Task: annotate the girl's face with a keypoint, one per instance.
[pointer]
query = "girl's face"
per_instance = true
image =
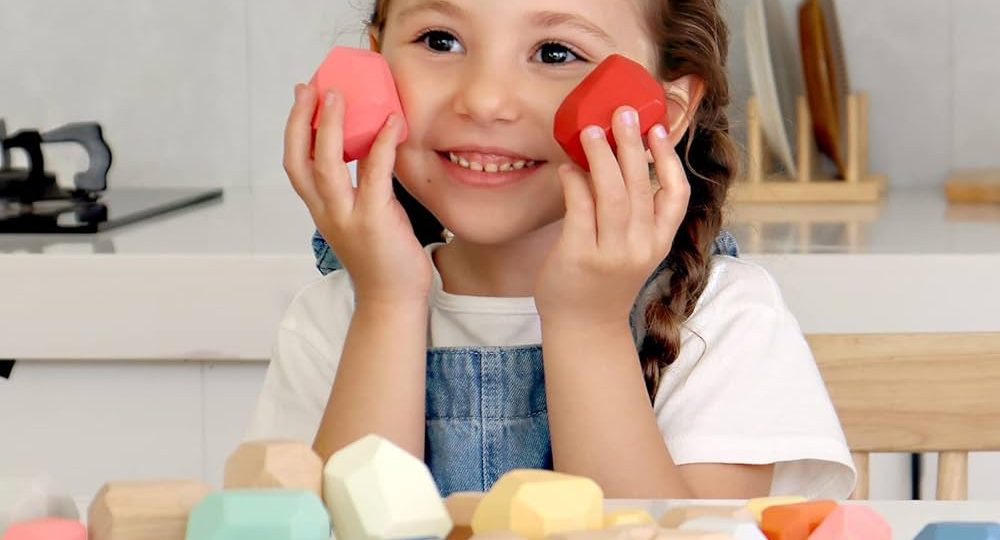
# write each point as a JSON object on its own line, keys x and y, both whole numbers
{"x": 480, "y": 81}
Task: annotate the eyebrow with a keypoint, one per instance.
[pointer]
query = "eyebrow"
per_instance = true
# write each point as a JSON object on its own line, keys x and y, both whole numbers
{"x": 544, "y": 19}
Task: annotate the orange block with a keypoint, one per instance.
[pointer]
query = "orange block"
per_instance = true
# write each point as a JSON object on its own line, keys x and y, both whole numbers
{"x": 795, "y": 521}
{"x": 853, "y": 522}
{"x": 461, "y": 507}
{"x": 47, "y": 529}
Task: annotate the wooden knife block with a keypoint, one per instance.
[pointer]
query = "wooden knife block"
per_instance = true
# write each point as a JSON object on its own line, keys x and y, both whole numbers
{"x": 760, "y": 184}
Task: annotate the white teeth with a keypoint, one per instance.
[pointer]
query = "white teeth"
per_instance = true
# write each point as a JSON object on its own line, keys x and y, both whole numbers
{"x": 490, "y": 167}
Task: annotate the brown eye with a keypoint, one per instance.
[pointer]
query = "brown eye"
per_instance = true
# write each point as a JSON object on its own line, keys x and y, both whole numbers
{"x": 439, "y": 41}
{"x": 554, "y": 53}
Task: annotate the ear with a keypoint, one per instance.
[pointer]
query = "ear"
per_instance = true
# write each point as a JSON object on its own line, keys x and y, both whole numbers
{"x": 373, "y": 43}
{"x": 683, "y": 97}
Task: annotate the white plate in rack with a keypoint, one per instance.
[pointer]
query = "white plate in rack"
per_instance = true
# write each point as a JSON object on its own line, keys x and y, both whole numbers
{"x": 775, "y": 77}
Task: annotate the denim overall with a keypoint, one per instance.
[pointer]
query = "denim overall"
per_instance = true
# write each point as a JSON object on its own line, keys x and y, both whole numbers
{"x": 486, "y": 411}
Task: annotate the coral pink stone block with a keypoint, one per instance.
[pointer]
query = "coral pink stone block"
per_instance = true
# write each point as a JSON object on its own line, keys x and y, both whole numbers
{"x": 46, "y": 529}
{"x": 853, "y": 522}
{"x": 365, "y": 82}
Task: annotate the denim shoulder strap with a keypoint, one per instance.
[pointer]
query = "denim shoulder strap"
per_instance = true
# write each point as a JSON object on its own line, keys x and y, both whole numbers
{"x": 327, "y": 262}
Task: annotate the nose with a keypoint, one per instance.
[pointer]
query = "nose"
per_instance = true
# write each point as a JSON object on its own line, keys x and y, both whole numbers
{"x": 488, "y": 94}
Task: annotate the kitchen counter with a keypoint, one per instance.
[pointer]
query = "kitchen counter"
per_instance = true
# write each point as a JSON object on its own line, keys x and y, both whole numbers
{"x": 211, "y": 283}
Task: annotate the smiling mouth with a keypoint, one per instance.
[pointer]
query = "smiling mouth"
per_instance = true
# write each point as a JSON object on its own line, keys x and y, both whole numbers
{"x": 491, "y": 164}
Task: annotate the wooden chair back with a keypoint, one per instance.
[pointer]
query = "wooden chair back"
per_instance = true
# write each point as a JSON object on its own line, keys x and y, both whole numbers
{"x": 919, "y": 393}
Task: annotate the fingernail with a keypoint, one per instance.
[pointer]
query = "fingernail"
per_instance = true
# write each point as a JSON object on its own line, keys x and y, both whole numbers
{"x": 330, "y": 98}
{"x": 659, "y": 131}
{"x": 594, "y": 132}
{"x": 630, "y": 118}
{"x": 391, "y": 120}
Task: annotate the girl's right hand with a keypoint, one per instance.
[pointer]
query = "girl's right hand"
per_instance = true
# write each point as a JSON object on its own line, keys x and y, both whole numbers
{"x": 366, "y": 226}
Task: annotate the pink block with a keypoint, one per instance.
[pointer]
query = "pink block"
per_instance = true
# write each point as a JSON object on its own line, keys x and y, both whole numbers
{"x": 853, "y": 522}
{"x": 364, "y": 80}
{"x": 46, "y": 529}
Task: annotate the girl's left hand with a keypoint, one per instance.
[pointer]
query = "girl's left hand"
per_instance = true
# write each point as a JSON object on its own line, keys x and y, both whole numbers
{"x": 618, "y": 228}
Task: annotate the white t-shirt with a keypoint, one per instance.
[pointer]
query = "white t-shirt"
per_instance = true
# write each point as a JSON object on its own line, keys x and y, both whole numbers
{"x": 744, "y": 388}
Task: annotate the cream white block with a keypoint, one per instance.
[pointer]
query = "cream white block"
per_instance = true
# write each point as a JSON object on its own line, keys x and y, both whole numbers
{"x": 739, "y": 529}
{"x": 375, "y": 490}
{"x": 28, "y": 498}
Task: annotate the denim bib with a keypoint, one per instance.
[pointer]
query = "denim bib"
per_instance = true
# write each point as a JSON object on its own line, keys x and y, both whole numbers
{"x": 485, "y": 408}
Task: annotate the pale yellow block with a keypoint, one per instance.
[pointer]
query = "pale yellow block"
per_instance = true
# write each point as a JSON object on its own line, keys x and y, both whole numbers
{"x": 144, "y": 510}
{"x": 621, "y": 532}
{"x": 498, "y": 535}
{"x": 461, "y": 507}
{"x": 676, "y": 517}
{"x": 757, "y": 506}
{"x": 275, "y": 464}
{"x": 375, "y": 490}
{"x": 628, "y": 516}
{"x": 536, "y": 504}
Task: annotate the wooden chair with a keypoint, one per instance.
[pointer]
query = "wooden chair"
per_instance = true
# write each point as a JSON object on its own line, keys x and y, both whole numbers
{"x": 915, "y": 393}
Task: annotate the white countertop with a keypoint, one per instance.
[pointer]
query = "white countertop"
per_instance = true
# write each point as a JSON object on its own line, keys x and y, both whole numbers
{"x": 212, "y": 282}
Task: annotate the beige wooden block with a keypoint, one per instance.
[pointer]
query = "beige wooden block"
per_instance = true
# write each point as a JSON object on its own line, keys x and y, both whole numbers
{"x": 536, "y": 504}
{"x": 375, "y": 490}
{"x": 498, "y": 535}
{"x": 758, "y": 505}
{"x": 144, "y": 510}
{"x": 275, "y": 464}
{"x": 628, "y": 516}
{"x": 461, "y": 507}
{"x": 621, "y": 532}
{"x": 676, "y": 517}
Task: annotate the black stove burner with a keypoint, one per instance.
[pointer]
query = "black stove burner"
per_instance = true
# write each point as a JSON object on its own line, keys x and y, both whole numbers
{"x": 31, "y": 201}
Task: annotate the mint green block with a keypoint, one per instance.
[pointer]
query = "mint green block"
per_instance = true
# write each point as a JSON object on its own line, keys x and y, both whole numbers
{"x": 259, "y": 514}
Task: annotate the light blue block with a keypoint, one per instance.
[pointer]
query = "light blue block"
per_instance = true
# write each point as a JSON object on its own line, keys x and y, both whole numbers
{"x": 960, "y": 531}
{"x": 259, "y": 514}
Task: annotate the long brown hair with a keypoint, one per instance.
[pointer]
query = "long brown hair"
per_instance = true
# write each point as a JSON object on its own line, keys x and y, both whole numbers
{"x": 692, "y": 39}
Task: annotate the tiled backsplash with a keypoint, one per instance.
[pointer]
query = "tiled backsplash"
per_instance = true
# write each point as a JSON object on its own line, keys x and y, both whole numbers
{"x": 196, "y": 93}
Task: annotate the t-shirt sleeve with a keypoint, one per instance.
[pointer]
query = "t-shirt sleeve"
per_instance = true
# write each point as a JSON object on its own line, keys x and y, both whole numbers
{"x": 745, "y": 389}
{"x": 303, "y": 362}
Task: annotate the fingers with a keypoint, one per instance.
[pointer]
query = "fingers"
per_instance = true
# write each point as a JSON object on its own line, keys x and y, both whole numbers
{"x": 298, "y": 143}
{"x": 375, "y": 182}
{"x": 333, "y": 180}
{"x": 610, "y": 196}
{"x": 635, "y": 171}
{"x": 579, "y": 226}
{"x": 671, "y": 201}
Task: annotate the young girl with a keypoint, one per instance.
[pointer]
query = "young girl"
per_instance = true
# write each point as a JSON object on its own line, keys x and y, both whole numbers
{"x": 575, "y": 321}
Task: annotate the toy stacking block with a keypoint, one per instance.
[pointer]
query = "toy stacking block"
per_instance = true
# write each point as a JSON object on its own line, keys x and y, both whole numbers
{"x": 275, "y": 464}
{"x": 681, "y": 534}
{"x": 621, "y": 532}
{"x": 616, "y": 82}
{"x": 46, "y": 529}
{"x": 365, "y": 82}
{"x": 676, "y": 517}
{"x": 628, "y": 516}
{"x": 853, "y": 522}
{"x": 143, "y": 510}
{"x": 536, "y": 504}
{"x": 960, "y": 531}
{"x": 737, "y": 529}
{"x": 498, "y": 535}
{"x": 795, "y": 521}
{"x": 29, "y": 498}
{"x": 461, "y": 507}
{"x": 376, "y": 490}
{"x": 260, "y": 514}
{"x": 757, "y": 506}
